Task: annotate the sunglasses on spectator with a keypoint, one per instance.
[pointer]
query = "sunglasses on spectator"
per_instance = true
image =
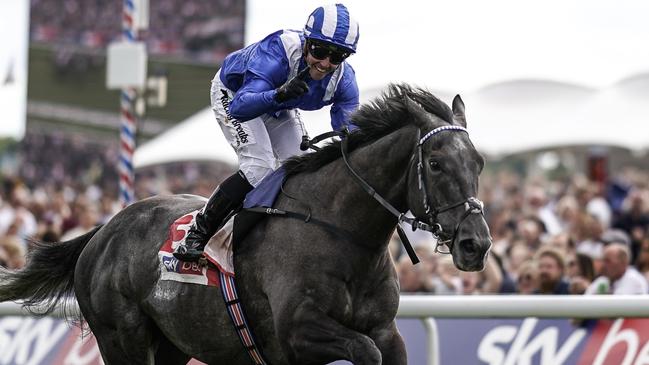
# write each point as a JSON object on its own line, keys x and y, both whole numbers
{"x": 321, "y": 51}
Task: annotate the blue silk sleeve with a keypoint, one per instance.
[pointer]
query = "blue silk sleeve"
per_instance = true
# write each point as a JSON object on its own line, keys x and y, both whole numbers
{"x": 255, "y": 98}
{"x": 267, "y": 70}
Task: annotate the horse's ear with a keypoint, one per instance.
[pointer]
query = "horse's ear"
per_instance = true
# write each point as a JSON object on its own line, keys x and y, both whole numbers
{"x": 458, "y": 111}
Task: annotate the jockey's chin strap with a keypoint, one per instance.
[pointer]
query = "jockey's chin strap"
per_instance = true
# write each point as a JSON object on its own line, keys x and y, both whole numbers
{"x": 472, "y": 205}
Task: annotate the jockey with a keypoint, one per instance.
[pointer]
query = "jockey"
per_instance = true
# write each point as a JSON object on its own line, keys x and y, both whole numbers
{"x": 255, "y": 96}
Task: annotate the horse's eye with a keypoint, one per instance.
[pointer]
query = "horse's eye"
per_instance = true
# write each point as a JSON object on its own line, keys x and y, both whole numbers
{"x": 435, "y": 166}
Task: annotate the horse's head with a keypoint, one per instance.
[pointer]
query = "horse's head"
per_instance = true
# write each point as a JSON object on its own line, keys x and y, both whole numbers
{"x": 443, "y": 181}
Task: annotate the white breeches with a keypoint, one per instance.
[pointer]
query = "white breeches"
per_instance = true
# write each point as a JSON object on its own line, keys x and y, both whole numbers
{"x": 262, "y": 144}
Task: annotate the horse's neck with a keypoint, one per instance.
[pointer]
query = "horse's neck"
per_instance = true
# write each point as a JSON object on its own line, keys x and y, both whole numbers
{"x": 383, "y": 164}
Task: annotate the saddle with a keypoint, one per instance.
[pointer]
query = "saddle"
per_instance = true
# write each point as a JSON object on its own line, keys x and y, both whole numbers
{"x": 218, "y": 251}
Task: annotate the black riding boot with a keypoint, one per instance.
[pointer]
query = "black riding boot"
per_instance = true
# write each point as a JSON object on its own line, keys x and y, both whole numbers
{"x": 227, "y": 198}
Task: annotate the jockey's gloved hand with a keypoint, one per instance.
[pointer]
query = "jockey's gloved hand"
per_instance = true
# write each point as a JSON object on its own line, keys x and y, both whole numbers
{"x": 294, "y": 87}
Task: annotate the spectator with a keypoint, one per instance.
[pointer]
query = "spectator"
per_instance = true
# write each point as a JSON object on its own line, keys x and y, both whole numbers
{"x": 634, "y": 218}
{"x": 470, "y": 282}
{"x": 491, "y": 278}
{"x": 507, "y": 283}
{"x": 518, "y": 253}
{"x": 642, "y": 262}
{"x": 428, "y": 262}
{"x": 562, "y": 242}
{"x": 541, "y": 209}
{"x": 527, "y": 278}
{"x": 587, "y": 194}
{"x": 551, "y": 270}
{"x": 447, "y": 281}
{"x": 12, "y": 252}
{"x": 531, "y": 230}
{"x": 205, "y": 30}
{"x": 88, "y": 219}
{"x": 615, "y": 235}
{"x": 411, "y": 278}
{"x": 488, "y": 281}
{"x": 108, "y": 208}
{"x": 589, "y": 242}
{"x": 618, "y": 277}
{"x": 568, "y": 213}
{"x": 17, "y": 213}
{"x": 581, "y": 265}
{"x": 580, "y": 272}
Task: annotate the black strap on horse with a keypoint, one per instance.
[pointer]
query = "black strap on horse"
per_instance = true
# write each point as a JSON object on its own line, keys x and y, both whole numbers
{"x": 370, "y": 190}
{"x": 472, "y": 205}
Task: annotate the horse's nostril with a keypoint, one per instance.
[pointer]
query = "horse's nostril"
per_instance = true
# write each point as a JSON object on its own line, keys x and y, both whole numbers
{"x": 469, "y": 247}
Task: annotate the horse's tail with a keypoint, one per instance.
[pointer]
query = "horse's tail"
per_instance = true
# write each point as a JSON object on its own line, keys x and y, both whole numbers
{"x": 48, "y": 277}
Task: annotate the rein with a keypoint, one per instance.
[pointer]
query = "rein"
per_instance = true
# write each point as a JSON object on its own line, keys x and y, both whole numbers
{"x": 472, "y": 205}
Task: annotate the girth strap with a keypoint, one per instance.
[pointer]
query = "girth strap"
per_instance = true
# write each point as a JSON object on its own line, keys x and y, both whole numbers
{"x": 235, "y": 311}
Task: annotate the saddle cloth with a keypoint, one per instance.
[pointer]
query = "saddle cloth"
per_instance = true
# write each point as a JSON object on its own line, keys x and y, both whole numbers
{"x": 218, "y": 251}
{"x": 219, "y": 248}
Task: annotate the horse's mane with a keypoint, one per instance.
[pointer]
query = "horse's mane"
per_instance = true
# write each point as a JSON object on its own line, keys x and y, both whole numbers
{"x": 382, "y": 116}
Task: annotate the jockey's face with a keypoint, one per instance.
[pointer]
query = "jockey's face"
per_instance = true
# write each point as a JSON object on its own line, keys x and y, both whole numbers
{"x": 323, "y": 58}
{"x": 319, "y": 68}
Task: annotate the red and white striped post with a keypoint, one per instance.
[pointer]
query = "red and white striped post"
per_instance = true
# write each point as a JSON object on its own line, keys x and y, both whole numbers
{"x": 128, "y": 119}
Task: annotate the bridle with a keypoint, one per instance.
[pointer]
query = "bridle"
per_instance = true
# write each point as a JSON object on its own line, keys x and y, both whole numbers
{"x": 472, "y": 205}
{"x": 430, "y": 223}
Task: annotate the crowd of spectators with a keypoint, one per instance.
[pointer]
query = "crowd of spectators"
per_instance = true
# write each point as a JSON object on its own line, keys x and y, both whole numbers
{"x": 57, "y": 186}
{"x": 561, "y": 236}
{"x": 204, "y": 30}
{"x": 571, "y": 236}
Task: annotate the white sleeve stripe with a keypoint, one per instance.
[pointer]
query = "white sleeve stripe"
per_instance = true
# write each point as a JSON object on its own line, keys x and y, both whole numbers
{"x": 333, "y": 83}
{"x": 293, "y": 48}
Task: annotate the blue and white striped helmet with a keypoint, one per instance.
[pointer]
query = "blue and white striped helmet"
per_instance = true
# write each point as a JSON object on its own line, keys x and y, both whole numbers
{"x": 333, "y": 24}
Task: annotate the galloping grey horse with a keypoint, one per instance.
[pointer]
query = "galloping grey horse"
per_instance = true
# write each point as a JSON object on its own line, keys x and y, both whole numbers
{"x": 314, "y": 292}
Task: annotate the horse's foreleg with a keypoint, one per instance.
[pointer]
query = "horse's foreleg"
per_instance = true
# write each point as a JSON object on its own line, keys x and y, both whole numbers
{"x": 391, "y": 345}
{"x": 312, "y": 337}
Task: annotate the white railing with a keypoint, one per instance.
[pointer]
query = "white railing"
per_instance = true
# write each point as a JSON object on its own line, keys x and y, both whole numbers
{"x": 517, "y": 306}
{"x": 425, "y": 307}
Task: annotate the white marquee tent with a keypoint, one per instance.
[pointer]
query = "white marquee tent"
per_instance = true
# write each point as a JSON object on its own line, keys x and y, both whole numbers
{"x": 532, "y": 74}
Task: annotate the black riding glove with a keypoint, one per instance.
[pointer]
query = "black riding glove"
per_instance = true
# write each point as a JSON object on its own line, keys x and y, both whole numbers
{"x": 294, "y": 87}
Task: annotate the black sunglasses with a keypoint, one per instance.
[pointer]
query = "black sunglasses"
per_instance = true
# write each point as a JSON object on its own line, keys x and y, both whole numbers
{"x": 321, "y": 51}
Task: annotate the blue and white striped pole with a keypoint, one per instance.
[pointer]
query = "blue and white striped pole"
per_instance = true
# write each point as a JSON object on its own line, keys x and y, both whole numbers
{"x": 128, "y": 119}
